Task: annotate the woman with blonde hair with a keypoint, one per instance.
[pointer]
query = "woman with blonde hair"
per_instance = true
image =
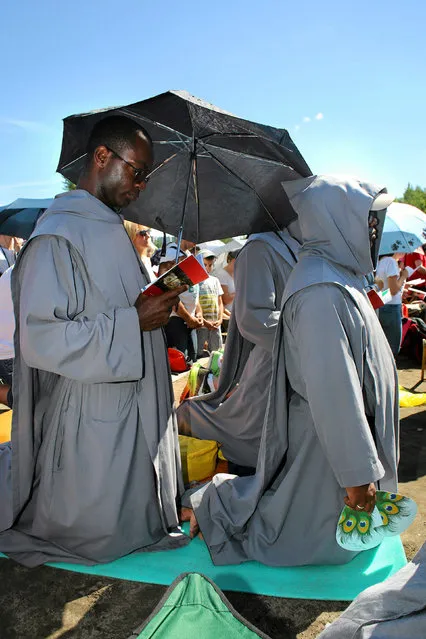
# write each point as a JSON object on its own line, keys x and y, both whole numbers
{"x": 141, "y": 238}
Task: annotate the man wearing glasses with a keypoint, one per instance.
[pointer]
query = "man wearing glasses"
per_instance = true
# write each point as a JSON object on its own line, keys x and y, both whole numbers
{"x": 95, "y": 464}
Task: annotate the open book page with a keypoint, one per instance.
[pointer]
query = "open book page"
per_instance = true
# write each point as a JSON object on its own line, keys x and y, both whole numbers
{"x": 189, "y": 271}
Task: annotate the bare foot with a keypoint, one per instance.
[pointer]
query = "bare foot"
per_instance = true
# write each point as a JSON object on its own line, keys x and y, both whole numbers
{"x": 185, "y": 514}
{"x": 194, "y": 528}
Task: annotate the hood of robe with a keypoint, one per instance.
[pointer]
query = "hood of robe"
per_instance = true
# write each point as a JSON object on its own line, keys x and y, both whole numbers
{"x": 80, "y": 202}
{"x": 281, "y": 241}
{"x": 333, "y": 216}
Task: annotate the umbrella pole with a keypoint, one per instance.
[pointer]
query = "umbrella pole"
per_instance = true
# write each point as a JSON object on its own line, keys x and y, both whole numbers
{"x": 179, "y": 240}
{"x": 180, "y": 233}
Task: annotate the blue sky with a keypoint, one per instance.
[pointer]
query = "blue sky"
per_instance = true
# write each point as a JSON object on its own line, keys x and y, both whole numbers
{"x": 346, "y": 79}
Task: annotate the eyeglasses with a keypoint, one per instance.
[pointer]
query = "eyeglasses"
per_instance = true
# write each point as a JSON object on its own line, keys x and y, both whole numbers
{"x": 139, "y": 175}
{"x": 143, "y": 233}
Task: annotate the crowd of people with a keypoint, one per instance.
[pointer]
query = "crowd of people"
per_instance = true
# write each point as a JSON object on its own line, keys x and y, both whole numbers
{"x": 393, "y": 274}
{"x": 95, "y": 471}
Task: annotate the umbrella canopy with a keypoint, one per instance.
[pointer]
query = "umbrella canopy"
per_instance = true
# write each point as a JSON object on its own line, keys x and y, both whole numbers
{"x": 404, "y": 229}
{"x": 213, "y": 172}
{"x": 19, "y": 218}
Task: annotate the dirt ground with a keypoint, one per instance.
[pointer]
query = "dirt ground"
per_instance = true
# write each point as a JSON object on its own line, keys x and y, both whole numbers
{"x": 45, "y": 603}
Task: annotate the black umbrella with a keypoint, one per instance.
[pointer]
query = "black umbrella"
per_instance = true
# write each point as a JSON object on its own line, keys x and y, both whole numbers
{"x": 215, "y": 175}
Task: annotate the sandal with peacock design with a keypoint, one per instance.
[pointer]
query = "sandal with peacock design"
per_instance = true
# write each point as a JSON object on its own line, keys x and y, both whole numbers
{"x": 392, "y": 514}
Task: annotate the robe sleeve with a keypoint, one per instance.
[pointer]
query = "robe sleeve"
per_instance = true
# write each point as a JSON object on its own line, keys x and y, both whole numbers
{"x": 255, "y": 304}
{"x": 328, "y": 339}
{"x": 56, "y": 336}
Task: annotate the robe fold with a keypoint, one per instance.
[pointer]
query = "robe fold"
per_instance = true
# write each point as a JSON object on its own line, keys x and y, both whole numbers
{"x": 95, "y": 463}
{"x": 393, "y": 609}
{"x": 261, "y": 272}
{"x": 332, "y": 415}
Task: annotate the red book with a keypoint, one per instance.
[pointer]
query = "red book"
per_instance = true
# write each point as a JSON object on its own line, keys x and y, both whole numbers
{"x": 188, "y": 272}
{"x": 375, "y": 299}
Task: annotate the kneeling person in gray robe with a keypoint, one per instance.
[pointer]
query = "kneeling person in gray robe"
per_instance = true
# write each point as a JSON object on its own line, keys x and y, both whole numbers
{"x": 261, "y": 272}
{"x": 330, "y": 433}
{"x": 95, "y": 466}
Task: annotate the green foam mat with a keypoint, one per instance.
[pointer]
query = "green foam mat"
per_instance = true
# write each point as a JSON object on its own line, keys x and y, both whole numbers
{"x": 343, "y": 582}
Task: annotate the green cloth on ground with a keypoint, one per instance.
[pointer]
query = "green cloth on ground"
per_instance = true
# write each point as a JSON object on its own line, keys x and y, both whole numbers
{"x": 343, "y": 582}
{"x": 194, "y": 604}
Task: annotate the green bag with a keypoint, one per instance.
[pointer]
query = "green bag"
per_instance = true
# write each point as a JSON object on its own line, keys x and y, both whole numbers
{"x": 193, "y": 606}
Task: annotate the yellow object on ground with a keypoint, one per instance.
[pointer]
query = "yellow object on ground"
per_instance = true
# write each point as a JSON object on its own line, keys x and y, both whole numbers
{"x": 410, "y": 400}
{"x": 5, "y": 426}
{"x": 199, "y": 458}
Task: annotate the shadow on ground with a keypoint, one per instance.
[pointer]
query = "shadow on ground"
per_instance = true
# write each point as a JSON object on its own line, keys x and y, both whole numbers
{"x": 412, "y": 463}
{"x": 47, "y": 603}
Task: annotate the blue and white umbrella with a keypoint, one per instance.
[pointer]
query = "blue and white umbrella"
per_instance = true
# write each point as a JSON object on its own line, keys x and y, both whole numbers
{"x": 19, "y": 218}
{"x": 404, "y": 230}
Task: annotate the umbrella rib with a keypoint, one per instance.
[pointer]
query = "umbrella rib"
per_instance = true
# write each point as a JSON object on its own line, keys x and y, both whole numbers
{"x": 237, "y": 135}
{"x": 180, "y": 232}
{"x": 246, "y": 136}
{"x": 65, "y": 166}
{"x": 253, "y": 157}
{"x": 228, "y": 170}
{"x": 137, "y": 116}
{"x": 197, "y": 199}
{"x": 166, "y": 161}
{"x": 277, "y": 146}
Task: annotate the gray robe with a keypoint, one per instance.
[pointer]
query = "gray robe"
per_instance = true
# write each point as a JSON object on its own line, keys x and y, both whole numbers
{"x": 261, "y": 272}
{"x": 393, "y": 609}
{"x": 332, "y": 416}
{"x": 95, "y": 456}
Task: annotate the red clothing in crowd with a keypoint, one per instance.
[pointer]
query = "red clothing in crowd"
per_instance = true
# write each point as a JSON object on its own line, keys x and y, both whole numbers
{"x": 410, "y": 259}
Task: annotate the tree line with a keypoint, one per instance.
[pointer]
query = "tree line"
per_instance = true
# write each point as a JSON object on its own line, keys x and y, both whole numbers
{"x": 414, "y": 196}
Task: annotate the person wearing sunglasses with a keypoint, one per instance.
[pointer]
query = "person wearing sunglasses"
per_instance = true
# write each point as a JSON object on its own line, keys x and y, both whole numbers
{"x": 95, "y": 468}
{"x": 141, "y": 239}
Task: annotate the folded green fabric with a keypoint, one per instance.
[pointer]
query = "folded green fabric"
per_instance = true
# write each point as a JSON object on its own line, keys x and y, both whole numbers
{"x": 194, "y": 604}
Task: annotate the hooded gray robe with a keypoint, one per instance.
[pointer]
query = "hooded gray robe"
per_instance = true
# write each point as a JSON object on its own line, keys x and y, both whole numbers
{"x": 333, "y": 376}
{"x": 95, "y": 457}
{"x": 261, "y": 272}
{"x": 393, "y": 609}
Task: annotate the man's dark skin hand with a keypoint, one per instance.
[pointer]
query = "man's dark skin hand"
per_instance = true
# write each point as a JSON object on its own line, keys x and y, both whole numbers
{"x": 155, "y": 311}
{"x": 361, "y": 498}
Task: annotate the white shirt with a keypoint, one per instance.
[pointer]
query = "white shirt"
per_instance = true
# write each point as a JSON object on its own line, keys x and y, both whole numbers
{"x": 190, "y": 297}
{"x": 226, "y": 280}
{"x": 147, "y": 264}
{"x": 388, "y": 267}
{"x": 7, "y": 317}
